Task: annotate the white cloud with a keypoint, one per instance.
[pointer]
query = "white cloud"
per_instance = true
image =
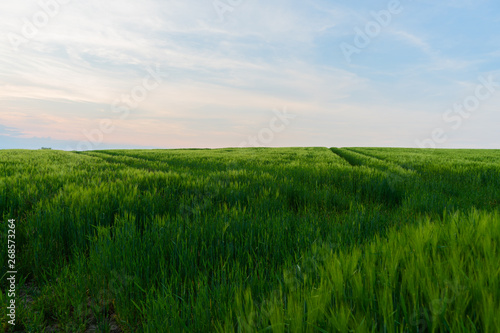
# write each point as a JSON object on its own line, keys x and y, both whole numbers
{"x": 229, "y": 74}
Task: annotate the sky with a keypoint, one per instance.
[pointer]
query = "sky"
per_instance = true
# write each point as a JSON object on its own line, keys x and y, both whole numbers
{"x": 88, "y": 75}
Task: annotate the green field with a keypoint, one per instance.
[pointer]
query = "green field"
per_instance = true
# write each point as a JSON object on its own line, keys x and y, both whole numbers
{"x": 257, "y": 239}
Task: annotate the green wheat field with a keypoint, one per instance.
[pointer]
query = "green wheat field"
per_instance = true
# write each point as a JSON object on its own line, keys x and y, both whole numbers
{"x": 253, "y": 240}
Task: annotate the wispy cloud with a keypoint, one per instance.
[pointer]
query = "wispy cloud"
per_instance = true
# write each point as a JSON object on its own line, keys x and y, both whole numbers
{"x": 9, "y": 131}
{"x": 221, "y": 78}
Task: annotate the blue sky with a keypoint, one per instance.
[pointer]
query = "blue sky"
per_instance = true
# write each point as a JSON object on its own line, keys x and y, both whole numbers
{"x": 90, "y": 74}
